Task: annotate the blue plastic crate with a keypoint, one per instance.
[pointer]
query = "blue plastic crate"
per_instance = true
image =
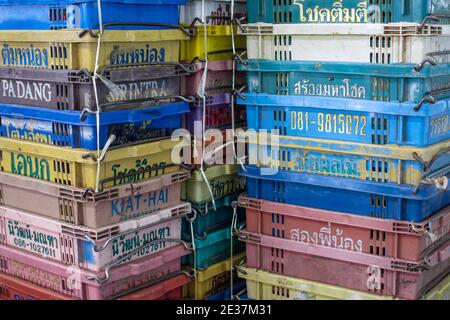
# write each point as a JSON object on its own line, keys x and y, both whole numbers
{"x": 70, "y": 14}
{"x": 382, "y": 164}
{"x": 350, "y": 120}
{"x": 379, "y": 82}
{"x": 214, "y": 248}
{"x": 208, "y": 220}
{"x": 226, "y": 294}
{"x": 64, "y": 128}
{"x": 385, "y": 201}
{"x": 344, "y": 11}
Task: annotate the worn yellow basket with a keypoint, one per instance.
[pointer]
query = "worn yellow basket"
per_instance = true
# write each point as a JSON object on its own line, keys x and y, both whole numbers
{"x": 77, "y": 167}
{"x": 212, "y": 280}
{"x": 223, "y": 179}
{"x": 262, "y": 285}
{"x": 76, "y": 49}
{"x": 440, "y": 292}
{"x": 219, "y": 45}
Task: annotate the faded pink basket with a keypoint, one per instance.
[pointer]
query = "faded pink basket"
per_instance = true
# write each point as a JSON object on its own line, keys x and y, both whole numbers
{"x": 85, "y": 285}
{"x": 388, "y": 238}
{"x": 218, "y": 78}
{"x": 349, "y": 269}
{"x": 92, "y": 249}
{"x": 86, "y": 207}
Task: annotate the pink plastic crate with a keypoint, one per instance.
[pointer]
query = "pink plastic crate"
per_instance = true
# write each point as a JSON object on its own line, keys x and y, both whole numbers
{"x": 92, "y": 249}
{"x": 359, "y": 271}
{"x": 389, "y": 238}
{"x": 12, "y": 288}
{"x": 218, "y": 78}
{"x": 74, "y": 282}
{"x": 169, "y": 289}
{"x": 87, "y": 208}
{"x": 217, "y": 115}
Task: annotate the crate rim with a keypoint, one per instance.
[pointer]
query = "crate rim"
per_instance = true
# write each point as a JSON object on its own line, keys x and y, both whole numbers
{"x": 218, "y": 268}
{"x": 394, "y": 70}
{"x": 41, "y": 2}
{"x": 215, "y": 172}
{"x": 75, "y": 36}
{"x": 343, "y": 104}
{"x": 76, "y": 155}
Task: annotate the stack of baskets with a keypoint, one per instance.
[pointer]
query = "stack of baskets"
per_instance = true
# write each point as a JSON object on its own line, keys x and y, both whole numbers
{"x": 357, "y": 203}
{"x": 89, "y": 194}
{"x": 215, "y": 183}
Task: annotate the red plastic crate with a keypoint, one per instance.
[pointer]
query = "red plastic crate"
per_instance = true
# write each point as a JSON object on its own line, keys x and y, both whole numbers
{"x": 12, "y": 288}
{"x": 388, "y": 238}
{"x": 169, "y": 289}
{"x": 349, "y": 269}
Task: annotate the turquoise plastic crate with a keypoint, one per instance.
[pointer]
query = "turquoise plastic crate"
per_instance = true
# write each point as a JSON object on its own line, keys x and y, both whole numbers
{"x": 345, "y": 11}
{"x": 208, "y": 220}
{"x": 214, "y": 248}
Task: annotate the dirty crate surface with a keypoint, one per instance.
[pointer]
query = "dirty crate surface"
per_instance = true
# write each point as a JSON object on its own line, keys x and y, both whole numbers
{"x": 93, "y": 249}
{"x": 88, "y": 208}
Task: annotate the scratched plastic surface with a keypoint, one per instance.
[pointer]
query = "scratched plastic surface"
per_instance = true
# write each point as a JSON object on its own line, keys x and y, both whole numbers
{"x": 349, "y": 42}
{"x": 385, "y": 201}
{"x": 218, "y": 11}
{"x": 76, "y": 167}
{"x": 218, "y": 78}
{"x": 213, "y": 280}
{"x": 349, "y": 11}
{"x": 208, "y": 220}
{"x": 219, "y": 46}
{"x": 92, "y": 209}
{"x": 263, "y": 285}
{"x": 223, "y": 180}
{"x": 213, "y": 249}
{"x": 389, "y": 238}
{"x": 376, "y": 163}
{"x": 91, "y": 285}
{"x": 12, "y": 288}
{"x": 440, "y": 292}
{"x": 377, "y": 123}
{"x": 76, "y": 49}
{"x": 66, "y": 129}
{"x": 379, "y": 275}
{"x": 384, "y": 83}
{"x": 217, "y": 114}
{"x": 136, "y": 87}
{"x": 68, "y": 14}
{"x": 92, "y": 249}
{"x": 168, "y": 289}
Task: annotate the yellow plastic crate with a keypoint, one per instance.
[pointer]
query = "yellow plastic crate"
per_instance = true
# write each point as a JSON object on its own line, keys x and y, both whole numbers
{"x": 262, "y": 285}
{"x": 219, "y": 45}
{"x": 69, "y": 166}
{"x": 439, "y": 292}
{"x": 75, "y": 49}
{"x": 223, "y": 179}
{"x": 212, "y": 280}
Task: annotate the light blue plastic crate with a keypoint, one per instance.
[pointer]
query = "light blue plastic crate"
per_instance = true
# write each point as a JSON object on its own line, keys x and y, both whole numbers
{"x": 379, "y": 82}
{"x": 351, "y": 120}
{"x": 344, "y": 11}
{"x": 64, "y": 128}
{"x": 385, "y": 201}
{"x": 70, "y": 14}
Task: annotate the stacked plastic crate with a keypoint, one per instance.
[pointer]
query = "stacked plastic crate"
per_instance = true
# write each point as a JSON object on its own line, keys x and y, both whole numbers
{"x": 215, "y": 183}
{"x": 90, "y": 197}
{"x": 358, "y": 205}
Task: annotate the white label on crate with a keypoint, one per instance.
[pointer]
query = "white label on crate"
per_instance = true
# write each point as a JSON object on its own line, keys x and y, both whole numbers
{"x": 32, "y": 239}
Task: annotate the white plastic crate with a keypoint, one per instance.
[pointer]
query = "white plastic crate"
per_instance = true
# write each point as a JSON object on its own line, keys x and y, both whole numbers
{"x": 218, "y": 12}
{"x": 370, "y": 43}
